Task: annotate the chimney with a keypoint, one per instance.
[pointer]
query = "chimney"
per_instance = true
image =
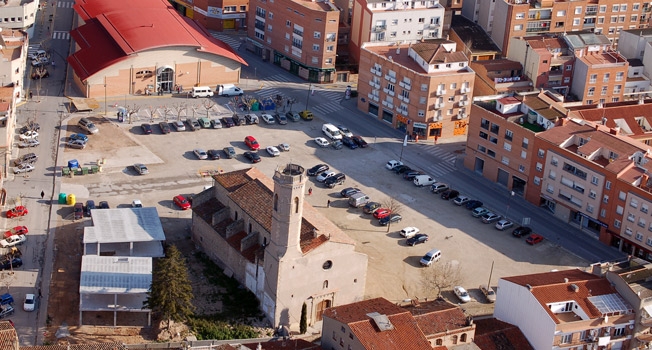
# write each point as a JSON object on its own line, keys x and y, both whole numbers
{"x": 565, "y": 280}
{"x": 575, "y": 288}
{"x": 597, "y": 127}
{"x": 644, "y": 179}
{"x": 641, "y": 99}
{"x": 615, "y": 130}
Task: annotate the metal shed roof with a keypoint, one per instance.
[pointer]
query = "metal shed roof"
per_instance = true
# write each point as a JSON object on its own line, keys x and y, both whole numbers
{"x": 124, "y": 225}
{"x": 115, "y": 275}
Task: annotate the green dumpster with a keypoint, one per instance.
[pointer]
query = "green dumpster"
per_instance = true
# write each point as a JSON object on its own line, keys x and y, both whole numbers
{"x": 85, "y": 170}
{"x": 95, "y": 169}
{"x": 62, "y": 198}
{"x": 65, "y": 171}
{"x": 78, "y": 171}
{"x": 255, "y": 106}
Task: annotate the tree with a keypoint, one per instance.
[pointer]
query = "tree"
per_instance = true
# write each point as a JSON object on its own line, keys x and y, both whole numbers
{"x": 131, "y": 110}
{"x": 440, "y": 276}
{"x": 178, "y": 109}
{"x": 394, "y": 206}
{"x": 303, "y": 323}
{"x": 291, "y": 101}
{"x": 208, "y": 105}
{"x": 171, "y": 293}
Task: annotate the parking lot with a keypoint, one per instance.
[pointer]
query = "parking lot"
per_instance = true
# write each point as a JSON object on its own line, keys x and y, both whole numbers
{"x": 393, "y": 269}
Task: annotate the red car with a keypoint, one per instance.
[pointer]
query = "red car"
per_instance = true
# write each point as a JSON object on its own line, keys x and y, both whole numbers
{"x": 16, "y": 212}
{"x": 18, "y": 230}
{"x": 534, "y": 239}
{"x": 381, "y": 213}
{"x": 251, "y": 142}
{"x": 181, "y": 202}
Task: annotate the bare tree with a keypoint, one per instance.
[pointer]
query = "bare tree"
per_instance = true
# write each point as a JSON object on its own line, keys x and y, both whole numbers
{"x": 278, "y": 101}
{"x": 208, "y": 104}
{"x": 394, "y": 206}
{"x": 178, "y": 108}
{"x": 248, "y": 101}
{"x": 166, "y": 110}
{"x": 440, "y": 276}
{"x": 131, "y": 110}
{"x": 291, "y": 101}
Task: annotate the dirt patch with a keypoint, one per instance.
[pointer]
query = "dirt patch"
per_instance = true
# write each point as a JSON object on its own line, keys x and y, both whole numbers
{"x": 108, "y": 145}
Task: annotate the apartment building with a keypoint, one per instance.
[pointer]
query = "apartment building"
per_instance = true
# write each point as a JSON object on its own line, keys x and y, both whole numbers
{"x": 569, "y": 309}
{"x": 452, "y": 8}
{"x": 19, "y": 14}
{"x": 472, "y": 40}
{"x": 599, "y": 77}
{"x": 502, "y": 132}
{"x": 424, "y": 89}
{"x": 298, "y": 35}
{"x": 219, "y": 15}
{"x": 501, "y": 76}
{"x": 394, "y": 22}
{"x": 548, "y": 61}
{"x": 521, "y": 17}
{"x": 632, "y": 118}
{"x": 635, "y": 46}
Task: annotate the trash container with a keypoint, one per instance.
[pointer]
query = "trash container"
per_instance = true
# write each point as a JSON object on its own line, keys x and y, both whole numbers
{"x": 73, "y": 164}
{"x": 95, "y": 169}
{"x": 71, "y": 199}
{"x": 65, "y": 171}
{"x": 62, "y": 198}
{"x": 85, "y": 170}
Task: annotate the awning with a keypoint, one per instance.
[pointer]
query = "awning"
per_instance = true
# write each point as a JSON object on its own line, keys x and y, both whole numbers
{"x": 162, "y": 68}
{"x": 84, "y": 104}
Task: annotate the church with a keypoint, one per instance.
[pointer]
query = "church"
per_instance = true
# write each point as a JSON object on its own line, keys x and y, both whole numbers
{"x": 261, "y": 232}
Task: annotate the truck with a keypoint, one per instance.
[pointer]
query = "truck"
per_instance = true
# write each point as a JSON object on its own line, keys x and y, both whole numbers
{"x": 358, "y": 200}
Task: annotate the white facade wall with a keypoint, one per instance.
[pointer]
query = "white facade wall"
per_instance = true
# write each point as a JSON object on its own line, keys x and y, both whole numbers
{"x": 632, "y": 45}
{"x": 647, "y": 59}
{"x": 486, "y": 15}
{"x": 469, "y": 8}
{"x": 407, "y": 25}
{"x": 499, "y": 16}
{"x": 579, "y": 79}
{"x": 637, "y": 220}
{"x": 18, "y": 17}
{"x": 515, "y": 304}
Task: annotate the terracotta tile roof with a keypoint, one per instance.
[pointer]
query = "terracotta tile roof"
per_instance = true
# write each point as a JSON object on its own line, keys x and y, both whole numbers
{"x": 436, "y": 53}
{"x": 85, "y": 346}
{"x": 8, "y": 336}
{"x": 501, "y": 64}
{"x": 629, "y": 114}
{"x": 492, "y": 334}
{"x": 550, "y": 287}
{"x": 358, "y": 311}
{"x": 438, "y": 322}
{"x": 234, "y": 179}
{"x": 292, "y": 344}
{"x": 405, "y": 335}
{"x": 255, "y": 199}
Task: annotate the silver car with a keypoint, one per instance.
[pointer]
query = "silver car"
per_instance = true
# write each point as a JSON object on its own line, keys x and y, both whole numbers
{"x": 77, "y": 144}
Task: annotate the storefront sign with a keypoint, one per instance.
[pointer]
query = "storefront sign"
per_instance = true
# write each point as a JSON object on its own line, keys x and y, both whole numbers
{"x": 216, "y": 12}
{"x": 420, "y": 125}
{"x": 435, "y": 125}
{"x": 402, "y": 119}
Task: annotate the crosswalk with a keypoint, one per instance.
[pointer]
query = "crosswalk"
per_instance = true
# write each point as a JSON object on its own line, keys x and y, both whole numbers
{"x": 272, "y": 86}
{"x": 65, "y": 4}
{"x": 61, "y": 35}
{"x": 231, "y": 40}
{"x": 445, "y": 163}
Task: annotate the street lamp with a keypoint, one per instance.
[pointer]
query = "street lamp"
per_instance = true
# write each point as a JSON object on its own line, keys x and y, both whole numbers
{"x": 508, "y": 203}
{"x": 105, "y": 96}
{"x": 308, "y": 98}
{"x": 403, "y": 147}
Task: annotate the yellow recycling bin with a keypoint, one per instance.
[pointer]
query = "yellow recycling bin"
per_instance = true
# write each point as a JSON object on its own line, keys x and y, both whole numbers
{"x": 71, "y": 199}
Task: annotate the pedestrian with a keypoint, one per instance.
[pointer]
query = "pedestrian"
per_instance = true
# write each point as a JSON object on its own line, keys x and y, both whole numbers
{"x": 328, "y": 204}
{"x": 53, "y": 66}
{"x": 310, "y": 191}
{"x": 30, "y": 95}
{"x": 39, "y": 293}
{"x": 42, "y": 194}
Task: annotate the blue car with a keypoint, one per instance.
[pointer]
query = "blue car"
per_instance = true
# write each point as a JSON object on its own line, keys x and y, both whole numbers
{"x": 80, "y": 137}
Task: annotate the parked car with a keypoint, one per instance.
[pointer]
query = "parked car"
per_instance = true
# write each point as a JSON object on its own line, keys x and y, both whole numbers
{"x": 147, "y": 129}
{"x": 521, "y": 231}
{"x": 280, "y": 118}
{"x": 136, "y": 203}
{"x": 423, "y": 180}
{"x": 252, "y": 156}
{"x": 322, "y": 142}
{"x": 23, "y": 168}
{"x": 229, "y": 152}
{"x": 324, "y": 175}
{"x": 251, "y": 118}
{"x": 409, "y": 232}
{"x": 381, "y": 213}
{"x": 28, "y": 143}
{"x": 273, "y": 151}
{"x": 293, "y": 116}
{"x": 370, "y": 207}
{"x": 285, "y": 147}
{"x": 181, "y": 202}
{"x": 17, "y": 211}
{"x": 103, "y": 205}
{"x": 30, "y": 126}
{"x": 337, "y": 144}
{"x": 488, "y": 293}
{"x": 28, "y": 158}
{"x": 345, "y": 131}
{"x": 78, "y": 211}
{"x": 141, "y": 169}
{"x": 490, "y": 217}
{"x": 11, "y": 264}
{"x": 267, "y": 118}
{"x": 239, "y": 120}
{"x": 439, "y": 187}
{"x": 462, "y": 294}
{"x": 337, "y": 179}
{"x": 179, "y": 126}
{"x": 318, "y": 169}
{"x": 401, "y": 169}
{"x": 391, "y": 218}
{"x": 349, "y": 191}
{"x": 13, "y": 240}
{"x": 417, "y": 239}
{"x": 228, "y": 122}
{"x": 165, "y": 127}
{"x": 216, "y": 124}
{"x": 80, "y": 137}
{"x": 18, "y": 230}
{"x": 503, "y": 224}
{"x": 252, "y": 143}
{"x": 460, "y": 200}
{"x": 348, "y": 142}
{"x": 534, "y": 239}
{"x": 472, "y": 204}
{"x": 76, "y": 144}
{"x": 306, "y": 115}
{"x": 360, "y": 141}
{"x": 449, "y": 194}
{"x": 90, "y": 205}
{"x": 213, "y": 154}
{"x": 392, "y": 164}
{"x": 479, "y": 211}
{"x": 410, "y": 175}
{"x": 200, "y": 153}
{"x": 29, "y": 135}
{"x": 30, "y": 302}
{"x": 193, "y": 124}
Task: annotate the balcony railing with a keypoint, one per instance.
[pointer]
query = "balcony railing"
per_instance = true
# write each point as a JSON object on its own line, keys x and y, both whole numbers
{"x": 379, "y": 28}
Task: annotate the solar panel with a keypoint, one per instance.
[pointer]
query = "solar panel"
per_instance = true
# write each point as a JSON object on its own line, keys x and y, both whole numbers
{"x": 610, "y": 304}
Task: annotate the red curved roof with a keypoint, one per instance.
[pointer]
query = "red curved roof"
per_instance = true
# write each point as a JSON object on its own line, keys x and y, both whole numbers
{"x": 116, "y": 29}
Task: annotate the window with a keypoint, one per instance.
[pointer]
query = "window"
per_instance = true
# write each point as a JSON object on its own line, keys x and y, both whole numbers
{"x": 600, "y": 20}
{"x": 591, "y": 91}
{"x": 619, "y": 76}
{"x": 315, "y": 47}
{"x": 605, "y": 78}
{"x": 518, "y": 27}
{"x": 509, "y": 135}
{"x": 623, "y": 8}
{"x": 537, "y": 180}
{"x": 492, "y": 139}
{"x": 619, "y": 210}
{"x": 635, "y": 7}
{"x": 288, "y": 23}
{"x": 491, "y": 153}
{"x": 525, "y": 143}
{"x": 608, "y": 185}
{"x": 639, "y": 236}
{"x": 541, "y": 153}
{"x": 622, "y": 195}
{"x": 328, "y": 61}
{"x": 592, "y": 194}
{"x": 614, "y": 8}
{"x": 605, "y": 199}
{"x": 521, "y": 15}
{"x": 505, "y": 160}
{"x": 633, "y": 203}
{"x": 539, "y": 166}
{"x": 482, "y": 149}
{"x": 495, "y": 128}
{"x": 630, "y": 217}
{"x": 561, "y": 13}
{"x": 550, "y": 189}
{"x": 578, "y": 10}
{"x": 594, "y": 180}
{"x": 576, "y": 21}
{"x": 523, "y": 154}
{"x": 603, "y": 212}
{"x": 589, "y": 208}
{"x": 603, "y": 91}
{"x": 554, "y": 161}
{"x": 603, "y": 8}
{"x": 316, "y": 35}
{"x": 484, "y": 123}
{"x": 552, "y": 174}
{"x": 593, "y": 78}
{"x": 617, "y": 223}
{"x": 644, "y": 208}
{"x": 507, "y": 147}
{"x": 641, "y": 222}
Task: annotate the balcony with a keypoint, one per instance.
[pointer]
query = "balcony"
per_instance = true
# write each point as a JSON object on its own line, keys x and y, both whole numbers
{"x": 591, "y": 13}
{"x": 388, "y": 104}
{"x": 538, "y": 27}
{"x": 403, "y": 98}
{"x": 646, "y": 321}
{"x": 463, "y": 103}
{"x": 433, "y": 25}
{"x": 379, "y": 28}
{"x": 440, "y": 92}
{"x": 461, "y": 115}
{"x": 464, "y": 90}
{"x": 390, "y": 78}
{"x": 405, "y": 85}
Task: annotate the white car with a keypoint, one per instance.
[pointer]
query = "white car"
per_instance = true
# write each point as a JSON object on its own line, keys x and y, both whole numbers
{"x": 29, "y": 135}
{"x": 345, "y": 131}
{"x": 13, "y": 240}
{"x": 30, "y": 302}
{"x": 503, "y": 224}
{"x": 392, "y": 164}
{"x": 23, "y": 168}
{"x": 200, "y": 153}
{"x": 273, "y": 151}
{"x": 268, "y": 118}
{"x": 28, "y": 143}
{"x": 325, "y": 175}
{"x": 322, "y": 142}
{"x": 141, "y": 169}
{"x": 409, "y": 232}
{"x": 136, "y": 203}
{"x": 285, "y": 147}
{"x": 462, "y": 294}
{"x": 461, "y": 200}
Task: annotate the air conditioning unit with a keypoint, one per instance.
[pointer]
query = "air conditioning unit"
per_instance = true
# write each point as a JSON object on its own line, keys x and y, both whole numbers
{"x": 440, "y": 92}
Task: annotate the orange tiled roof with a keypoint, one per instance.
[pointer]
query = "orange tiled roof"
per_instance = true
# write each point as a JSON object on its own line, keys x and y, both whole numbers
{"x": 8, "y": 336}
{"x": 85, "y": 346}
{"x": 358, "y": 311}
{"x": 293, "y": 344}
{"x": 492, "y": 334}
{"x": 405, "y": 335}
